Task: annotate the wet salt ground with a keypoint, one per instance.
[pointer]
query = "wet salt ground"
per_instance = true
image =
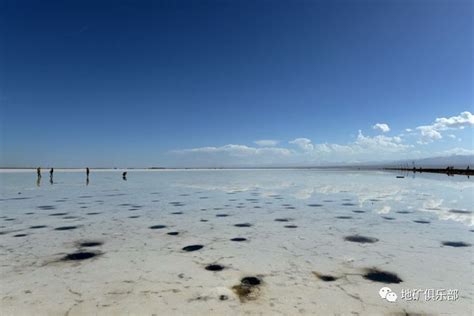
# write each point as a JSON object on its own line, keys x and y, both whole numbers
{"x": 320, "y": 242}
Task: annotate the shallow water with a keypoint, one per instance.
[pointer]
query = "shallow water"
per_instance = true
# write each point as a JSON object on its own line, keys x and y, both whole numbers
{"x": 182, "y": 242}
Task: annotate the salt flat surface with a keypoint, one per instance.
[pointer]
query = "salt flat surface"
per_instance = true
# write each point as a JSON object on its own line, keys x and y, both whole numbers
{"x": 312, "y": 238}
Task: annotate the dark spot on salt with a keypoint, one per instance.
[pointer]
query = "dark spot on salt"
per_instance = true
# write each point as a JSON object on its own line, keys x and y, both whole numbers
{"x": 222, "y": 215}
{"x": 214, "y": 267}
{"x": 361, "y": 239}
{"x": 90, "y": 243}
{"x": 38, "y": 226}
{"x": 282, "y": 219}
{"x": 134, "y": 216}
{"x": 460, "y": 211}
{"x": 455, "y": 244}
{"x": 239, "y": 239}
{"x": 250, "y": 281}
{"x": 157, "y": 227}
{"x": 247, "y": 289}
{"x": 223, "y": 297}
{"x": 344, "y": 217}
{"x": 177, "y": 213}
{"x": 204, "y": 220}
{"x": 348, "y": 204}
{"x": 66, "y": 228}
{"x": 173, "y": 233}
{"x": 381, "y": 276}
{"x": 177, "y": 203}
{"x": 388, "y": 218}
{"x": 93, "y": 213}
{"x": 192, "y": 248}
{"x": 77, "y": 256}
{"x": 291, "y": 226}
{"x": 421, "y": 222}
{"x": 358, "y": 211}
{"x": 47, "y": 207}
{"x": 57, "y": 214}
{"x": 325, "y": 277}
{"x": 315, "y": 205}
{"x": 243, "y": 225}
{"x": 20, "y": 235}
{"x": 403, "y": 212}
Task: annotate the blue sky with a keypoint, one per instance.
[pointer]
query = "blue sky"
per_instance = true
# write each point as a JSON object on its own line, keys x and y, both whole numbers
{"x": 201, "y": 83}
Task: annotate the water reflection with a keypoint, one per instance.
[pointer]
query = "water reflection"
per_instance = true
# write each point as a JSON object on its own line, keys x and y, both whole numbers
{"x": 379, "y": 192}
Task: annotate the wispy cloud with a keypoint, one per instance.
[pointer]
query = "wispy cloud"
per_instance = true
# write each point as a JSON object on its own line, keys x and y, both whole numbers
{"x": 237, "y": 150}
{"x": 458, "y": 151}
{"x": 303, "y": 143}
{"x": 266, "y": 142}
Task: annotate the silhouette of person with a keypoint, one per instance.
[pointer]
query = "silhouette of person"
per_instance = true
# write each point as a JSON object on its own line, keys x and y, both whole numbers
{"x": 124, "y": 175}
{"x": 38, "y": 172}
{"x": 51, "y": 175}
{"x": 87, "y": 175}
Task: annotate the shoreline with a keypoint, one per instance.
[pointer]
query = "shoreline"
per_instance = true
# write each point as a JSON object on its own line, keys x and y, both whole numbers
{"x": 449, "y": 172}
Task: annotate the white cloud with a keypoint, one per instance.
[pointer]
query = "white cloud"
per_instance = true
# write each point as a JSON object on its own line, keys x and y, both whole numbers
{"x": 465, "y": 119}
{"x": 266, "y": 142}
{"x": 380, "y": 143}
{"x": 303, "y": 143}
{"x": 430, "y": 133}
{"x": 384, "y": 128}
